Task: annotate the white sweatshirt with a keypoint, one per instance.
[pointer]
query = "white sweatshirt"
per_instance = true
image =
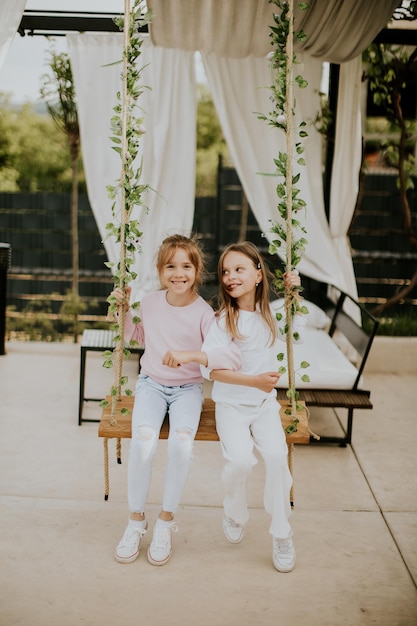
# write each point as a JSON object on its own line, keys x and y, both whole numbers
{"x": 257, "y": 354}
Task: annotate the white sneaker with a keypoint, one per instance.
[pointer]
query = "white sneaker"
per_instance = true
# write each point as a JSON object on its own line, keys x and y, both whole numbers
{"x": 129, "y": 546}
{"x": 232, "y": 530}
{"x": 283, "y": 554}
{"x": 160, "y": 550}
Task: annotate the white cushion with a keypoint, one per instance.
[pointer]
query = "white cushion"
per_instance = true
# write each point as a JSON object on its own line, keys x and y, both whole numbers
{"x": 329, "y": 367}
{"x": 315, "y": 317}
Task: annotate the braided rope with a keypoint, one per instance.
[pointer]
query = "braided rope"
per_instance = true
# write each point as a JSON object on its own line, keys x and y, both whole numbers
{"x": 289, "y": 177}
{"x": 106, "y": 469}
{"x": 288, "y": 181}
{"x": 118, "y": 350}
{"x": 119, "y": 450}
{"x": 290, "y": 467}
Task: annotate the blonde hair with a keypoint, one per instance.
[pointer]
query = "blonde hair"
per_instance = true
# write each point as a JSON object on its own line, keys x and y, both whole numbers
{"x": 168, "y": 248}
{"x": 228, "y": 304}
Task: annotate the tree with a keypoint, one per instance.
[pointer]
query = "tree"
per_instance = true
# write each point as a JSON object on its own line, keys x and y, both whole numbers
{"x": 210, "y": 143}
{"x": 32, "y": 156}
{"x": 58, "y": 93}
{"x": 389, "y": 70}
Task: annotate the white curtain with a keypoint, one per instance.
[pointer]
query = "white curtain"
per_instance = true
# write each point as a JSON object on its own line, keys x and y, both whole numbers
{"x": 11, "y": 12}
{"x": 168, "y": 147}
{"x": 240, "y": 89}
{"x": 337, "y": 30}
{"x": 346, "y": 165}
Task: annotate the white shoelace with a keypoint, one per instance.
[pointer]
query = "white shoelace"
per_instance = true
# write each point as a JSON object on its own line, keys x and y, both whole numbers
{"x": 282, "y": 546}
{"x": 162, "y": 535}
{"x": 132, "y": 534}
{"x": 231, "y": 522}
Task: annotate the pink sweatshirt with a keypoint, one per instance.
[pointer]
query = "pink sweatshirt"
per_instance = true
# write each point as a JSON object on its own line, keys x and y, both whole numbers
{"x": 165, "y": 327}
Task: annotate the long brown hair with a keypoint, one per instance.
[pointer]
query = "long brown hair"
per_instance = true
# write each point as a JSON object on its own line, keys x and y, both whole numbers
{"x": 228, "y": 304}
{"x": 168, "y": 248}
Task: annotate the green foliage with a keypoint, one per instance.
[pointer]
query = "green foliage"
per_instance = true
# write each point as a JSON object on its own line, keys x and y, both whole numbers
{"x": 401, "y": 325}
{"x": 324, "y": 119}
{"x": 207, "y": 162}
{"x": 210, "y": 144}
{"x": 389, "y": 70}
{"x": 209, "y": 131}
{"x": 71, "y": 308}
{"x": 33, "y": 156}
{"x": 35, "y": 324}
{"x": 58, "y": 93}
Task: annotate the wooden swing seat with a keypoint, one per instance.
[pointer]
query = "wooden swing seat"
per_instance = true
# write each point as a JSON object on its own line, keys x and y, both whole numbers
{"x": 122, "y": 428}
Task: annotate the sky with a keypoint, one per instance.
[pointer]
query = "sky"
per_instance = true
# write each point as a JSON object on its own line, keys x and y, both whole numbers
{"x": 27, "y": 59}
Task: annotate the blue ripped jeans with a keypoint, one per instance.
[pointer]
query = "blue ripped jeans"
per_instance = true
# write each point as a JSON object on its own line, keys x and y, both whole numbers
{"x": 152, "y": 402}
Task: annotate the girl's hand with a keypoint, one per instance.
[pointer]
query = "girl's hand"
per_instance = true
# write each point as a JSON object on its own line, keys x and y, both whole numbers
{"x": 176, "y": 358}
{"x": 122, "y": 296}
{"x": 291, "y": 279}
{"x": 266, "y": 381}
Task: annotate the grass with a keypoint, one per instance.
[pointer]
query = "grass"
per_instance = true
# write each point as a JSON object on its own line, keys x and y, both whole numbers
{"x": 404, "y": 325}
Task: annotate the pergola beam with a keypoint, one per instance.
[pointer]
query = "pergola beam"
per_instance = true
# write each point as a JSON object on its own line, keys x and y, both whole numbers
{"x": 58, "y": 23}
{"x": 397, "y": 36}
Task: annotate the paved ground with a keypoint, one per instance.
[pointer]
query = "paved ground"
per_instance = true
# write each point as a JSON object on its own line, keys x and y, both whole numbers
{"x": 355, "y": 518}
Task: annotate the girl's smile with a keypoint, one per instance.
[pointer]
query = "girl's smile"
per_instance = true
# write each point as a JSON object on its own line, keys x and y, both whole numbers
{"x": 178, "y": 277}
{"x": 240, "y": 278}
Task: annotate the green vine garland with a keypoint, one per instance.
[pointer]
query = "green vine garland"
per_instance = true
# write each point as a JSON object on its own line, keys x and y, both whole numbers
{"x": 281, "y": 117}
{"x": 127, "y": 130}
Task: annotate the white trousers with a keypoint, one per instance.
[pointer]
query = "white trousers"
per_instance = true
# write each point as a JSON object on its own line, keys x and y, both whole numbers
{"x": 240, "y": 429}
{"x": 152, "y": 402}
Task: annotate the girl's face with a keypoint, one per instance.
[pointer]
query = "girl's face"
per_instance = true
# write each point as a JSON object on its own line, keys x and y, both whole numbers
{"x": 178, "y": 274}
{"x": 239, "y": 277}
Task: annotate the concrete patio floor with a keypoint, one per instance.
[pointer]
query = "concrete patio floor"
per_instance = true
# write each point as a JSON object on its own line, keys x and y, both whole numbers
{"x": 355, "y": 517}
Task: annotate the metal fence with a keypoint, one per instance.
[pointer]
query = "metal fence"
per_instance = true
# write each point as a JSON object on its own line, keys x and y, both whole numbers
{"x": 38, "y": 229}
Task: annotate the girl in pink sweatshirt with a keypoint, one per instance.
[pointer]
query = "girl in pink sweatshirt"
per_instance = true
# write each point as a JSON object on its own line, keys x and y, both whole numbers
{"x": 174, "y": 318}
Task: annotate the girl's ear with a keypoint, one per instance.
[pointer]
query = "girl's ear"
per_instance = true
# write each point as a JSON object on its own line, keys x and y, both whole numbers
{"x": 259, "y": 277}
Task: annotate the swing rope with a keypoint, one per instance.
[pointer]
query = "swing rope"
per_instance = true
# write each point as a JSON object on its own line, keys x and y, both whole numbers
{"x": 289, "y": 293}
{"x": 289, "y": 175}
{"x": 106, "y": 468}
{"x": 118, "y": 351}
